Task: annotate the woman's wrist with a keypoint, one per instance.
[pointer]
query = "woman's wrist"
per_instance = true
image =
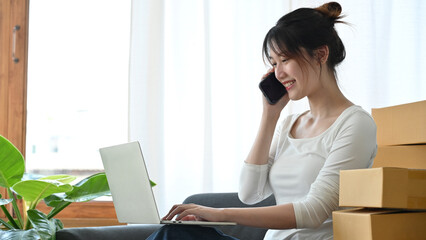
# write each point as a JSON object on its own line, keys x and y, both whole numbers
{"x": 229, "y": 215}
{"x": 270, "y": 116}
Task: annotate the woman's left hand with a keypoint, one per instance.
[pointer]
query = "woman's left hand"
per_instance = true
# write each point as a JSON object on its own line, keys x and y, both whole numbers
{"x": 193, "y": 212}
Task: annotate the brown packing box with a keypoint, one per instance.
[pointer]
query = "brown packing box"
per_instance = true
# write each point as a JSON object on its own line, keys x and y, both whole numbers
{"x": 370, "y": 224}
{"x": 401, "y": 124}
{"x": 383, "y": 188}
{"x": 407, "y": 156}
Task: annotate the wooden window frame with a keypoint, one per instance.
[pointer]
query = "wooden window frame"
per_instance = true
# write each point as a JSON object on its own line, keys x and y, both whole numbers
{"x": 13, "y": 107}
{"x": 13, "y": 73}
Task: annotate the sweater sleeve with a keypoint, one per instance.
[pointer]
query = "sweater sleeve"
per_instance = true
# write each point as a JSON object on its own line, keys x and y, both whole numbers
{"x": 354, "y": 147}
{"x": 254, "y": 185}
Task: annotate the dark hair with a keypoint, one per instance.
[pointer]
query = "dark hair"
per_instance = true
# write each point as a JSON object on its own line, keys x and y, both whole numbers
{"x": 308, "y": 29}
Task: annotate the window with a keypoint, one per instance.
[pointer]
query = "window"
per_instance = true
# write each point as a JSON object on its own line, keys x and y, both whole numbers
{"x": 77, "y": 99}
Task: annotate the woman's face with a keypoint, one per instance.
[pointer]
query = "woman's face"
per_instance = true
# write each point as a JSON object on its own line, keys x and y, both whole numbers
{"x": 299, "y": 80}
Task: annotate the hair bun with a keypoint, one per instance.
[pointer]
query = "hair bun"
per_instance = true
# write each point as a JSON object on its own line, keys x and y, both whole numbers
{"x": 331, "y": 9}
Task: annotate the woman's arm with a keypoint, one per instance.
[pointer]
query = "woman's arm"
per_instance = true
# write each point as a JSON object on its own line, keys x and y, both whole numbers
{"x": 272, "y": 217}
{"x": 254, "y": 185}
{"x": 259, "y": 152}
{"x": 271, "y": 113}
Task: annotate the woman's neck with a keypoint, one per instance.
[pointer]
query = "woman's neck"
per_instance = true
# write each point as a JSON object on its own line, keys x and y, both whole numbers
{"x": 328, "y": 100}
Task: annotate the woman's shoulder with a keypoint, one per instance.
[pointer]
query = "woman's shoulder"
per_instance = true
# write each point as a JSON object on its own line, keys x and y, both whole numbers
{"x": 357, "y": 112}
{"x": 356, "y": 116}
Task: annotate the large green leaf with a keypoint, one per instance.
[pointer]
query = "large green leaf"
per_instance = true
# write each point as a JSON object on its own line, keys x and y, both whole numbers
{"x": 60, "y": 178}
{"x": 19, "y": 235}
{"x": 45, "y": 228}
{"x": 55, "y": 199}
{"x": 87, "y": 189}
{"x": 33, "y": 190}
{"x": 12, "y": 165}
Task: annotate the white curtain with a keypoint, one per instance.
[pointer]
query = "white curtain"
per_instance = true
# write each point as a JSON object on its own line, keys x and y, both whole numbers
{"x": 195, "y": 66}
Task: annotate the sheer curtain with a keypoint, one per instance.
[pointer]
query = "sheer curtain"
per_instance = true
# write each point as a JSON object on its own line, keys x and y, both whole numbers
{"x": 195, "y": 66}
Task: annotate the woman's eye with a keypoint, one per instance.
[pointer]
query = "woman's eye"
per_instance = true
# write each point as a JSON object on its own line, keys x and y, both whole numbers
{"x": 274, "y": 64}
{"x": 284, "y": 60}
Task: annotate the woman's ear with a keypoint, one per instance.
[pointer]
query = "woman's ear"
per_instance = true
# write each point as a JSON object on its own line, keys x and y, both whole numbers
{"x": 321, "y": 54}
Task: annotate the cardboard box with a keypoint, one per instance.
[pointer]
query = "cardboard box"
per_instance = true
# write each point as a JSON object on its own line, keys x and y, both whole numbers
{"x": 367, "y": 224}
{"x": 407, "y": 156}
{"x": 383, "y": 188}
{"x": 401, "y": 124}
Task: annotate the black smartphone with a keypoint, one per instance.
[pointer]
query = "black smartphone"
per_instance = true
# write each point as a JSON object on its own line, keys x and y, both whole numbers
{"x": 273, "y": 89}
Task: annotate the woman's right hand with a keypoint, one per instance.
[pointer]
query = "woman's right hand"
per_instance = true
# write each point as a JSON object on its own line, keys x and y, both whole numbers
{"x": 275, "y": 109}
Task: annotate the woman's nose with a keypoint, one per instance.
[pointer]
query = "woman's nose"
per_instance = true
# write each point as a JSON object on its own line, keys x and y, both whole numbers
{"x": 279, "y": 73}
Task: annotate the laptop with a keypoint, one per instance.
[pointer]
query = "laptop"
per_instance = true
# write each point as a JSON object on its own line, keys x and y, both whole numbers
{"x": 130, "y": 186}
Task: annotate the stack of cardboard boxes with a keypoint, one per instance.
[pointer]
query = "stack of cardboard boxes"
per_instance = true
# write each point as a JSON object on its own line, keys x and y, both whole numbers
{"x": 389, "y": 200}
{"x": 401, "y": 136}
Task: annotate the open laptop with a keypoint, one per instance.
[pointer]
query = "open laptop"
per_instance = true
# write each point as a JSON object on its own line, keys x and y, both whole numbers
{"x": 130, "y": 187}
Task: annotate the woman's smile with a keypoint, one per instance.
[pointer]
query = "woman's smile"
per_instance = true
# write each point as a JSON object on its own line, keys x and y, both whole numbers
{"x": 288, "y": 84}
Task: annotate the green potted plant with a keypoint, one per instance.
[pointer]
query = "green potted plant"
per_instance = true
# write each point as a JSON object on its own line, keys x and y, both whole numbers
{"x": 55, "y": 190}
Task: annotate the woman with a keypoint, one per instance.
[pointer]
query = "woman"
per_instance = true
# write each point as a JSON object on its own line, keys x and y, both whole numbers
{"x": 299, "y": 159}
